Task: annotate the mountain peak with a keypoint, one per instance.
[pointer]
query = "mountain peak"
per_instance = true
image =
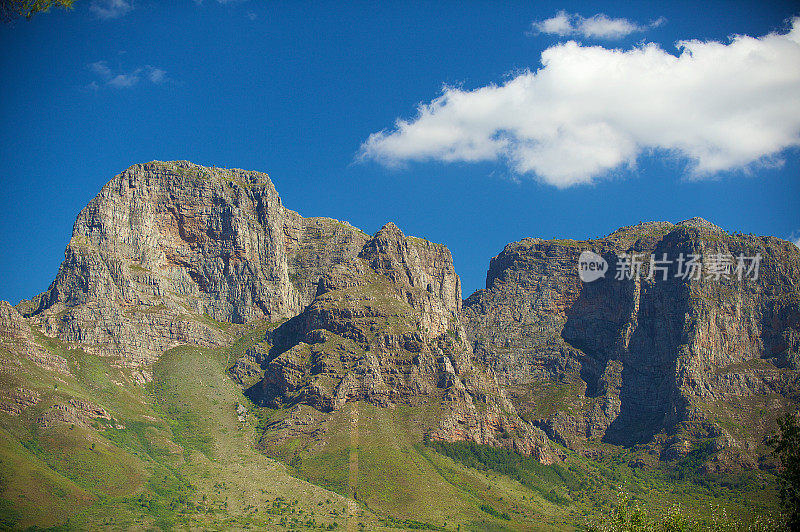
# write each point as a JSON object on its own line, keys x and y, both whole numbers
{"x": 697, "y": 222}
{"x": 390, "y": 230}
{"x": 199, "y": 173}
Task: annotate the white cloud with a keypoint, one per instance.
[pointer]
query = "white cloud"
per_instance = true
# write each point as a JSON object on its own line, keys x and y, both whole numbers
{"x": 101, "y": 69}
{"x": 124, "y": 80}
{"x": 156, "y": 75}
{"x": 795, "y": 238}
{"x": 599, "y": 26}
{"x": 590, "y": 110}
{"x": 110, "y": 8}
{"x": 121, "y": 81}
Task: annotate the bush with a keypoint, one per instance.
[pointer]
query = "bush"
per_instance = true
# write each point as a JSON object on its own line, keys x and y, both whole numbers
{"x": 786, "y": 446}
{"x": 494, "y": 513}
{"x": 526, "y": 470}
{"x": 627, "y": 517}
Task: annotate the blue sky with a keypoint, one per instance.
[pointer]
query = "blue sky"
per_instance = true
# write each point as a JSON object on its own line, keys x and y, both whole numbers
{"x": 489, "y": 149}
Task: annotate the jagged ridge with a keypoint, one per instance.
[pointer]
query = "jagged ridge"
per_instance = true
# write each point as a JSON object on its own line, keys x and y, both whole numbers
{"x": 648, "y": 361}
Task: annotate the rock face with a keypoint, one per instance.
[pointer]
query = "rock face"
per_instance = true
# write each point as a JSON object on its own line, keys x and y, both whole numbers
{"x": 384, "y": 328}
{"x": 74, "y": 411}
{"x": 316, "y": 247}
{"x": 16, "y": 336}
{"x": 655, "y": 359}
{"x": 174, "y": 253}
{"x": 166, "y": 245}
{"x": 168, "y": 252}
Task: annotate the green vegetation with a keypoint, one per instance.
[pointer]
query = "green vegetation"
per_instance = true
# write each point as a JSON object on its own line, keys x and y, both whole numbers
{"x": 174, "y": 456}
{"x": 548, "y": 398}
{"x": 526, "y": 470}
{"x": 138, "y": 268}
{"x": 375, "y": 455}
{"x": 786, "y": 445}
{"x": 189, "y": 428}
{"x": 626, "y": 517}
{"x": 12, "y": 9}
{"x": 491, "y": 511}
{"x": 580, "y": 486}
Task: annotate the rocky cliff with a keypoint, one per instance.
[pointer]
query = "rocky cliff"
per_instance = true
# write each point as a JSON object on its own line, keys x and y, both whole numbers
{"x": 185, "y": 290}
{"x": 174, "y": 253}
{"x": 170, "y": 253}
{"x": 384, "y": 328}
{"x": 656, "y": 357}
{"x": 166, "y": 250}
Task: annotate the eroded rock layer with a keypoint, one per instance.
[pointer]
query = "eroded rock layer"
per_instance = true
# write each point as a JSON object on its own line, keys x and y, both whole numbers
{"x": 172, "y": 253}
{"x": 663, "y": 359}
{"x": 384, "y": 328}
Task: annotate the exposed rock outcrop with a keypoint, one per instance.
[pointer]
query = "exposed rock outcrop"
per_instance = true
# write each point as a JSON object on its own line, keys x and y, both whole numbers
{"x": 173, "y": 253}
{"x": 651, "y": 358}
{"x": 165, "y": 245}
{"x": 384, "y": 328}
{"x": 15, "y": 401}
{"x": 17, "y": 337}
{"x": 75, "y": 411}
{"x": 167, "y": 253}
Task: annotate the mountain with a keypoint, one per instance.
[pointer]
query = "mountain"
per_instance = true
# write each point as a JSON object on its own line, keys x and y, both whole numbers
{"x": 373, "y": 318}
{"x": 662, "y": 360}
{"x": 384, "y": 328}
{"x": 204, "y": 347}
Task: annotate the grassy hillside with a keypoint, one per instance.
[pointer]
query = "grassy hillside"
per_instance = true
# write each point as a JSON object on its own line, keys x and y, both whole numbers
{"x": 172, "y": 454}
{"x": 375, "y": 455}
{"x": 403, "y": 477}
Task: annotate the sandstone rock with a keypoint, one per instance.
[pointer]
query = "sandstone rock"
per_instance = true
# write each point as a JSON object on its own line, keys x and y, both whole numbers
{"x": 17, "y": 400}
{"x": 75, "y": 411}
{"x": 166, "y": 244}
{"x": 625, "y": 360}
{"x": 16, "y": 336}
{"x": 384, "y": 328}
{"x": 172, "y": 253}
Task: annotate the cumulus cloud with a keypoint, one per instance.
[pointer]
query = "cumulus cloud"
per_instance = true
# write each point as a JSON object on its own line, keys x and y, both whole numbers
{"x": 599, "y": 26}
{"x": 122, "y": 80}
{"x": 590, "y": 110}
{"x": 110, "y": 8}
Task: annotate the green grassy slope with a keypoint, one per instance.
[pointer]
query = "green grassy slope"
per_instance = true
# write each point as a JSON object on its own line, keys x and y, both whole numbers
{"x": 175, "y": 456}
{"x": 403, "y": 481}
